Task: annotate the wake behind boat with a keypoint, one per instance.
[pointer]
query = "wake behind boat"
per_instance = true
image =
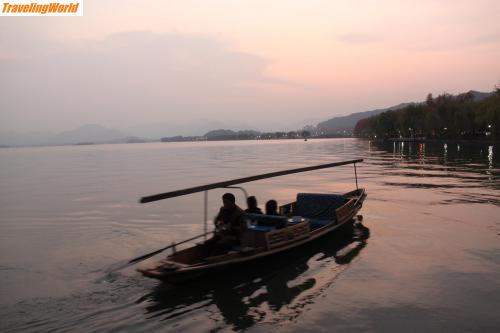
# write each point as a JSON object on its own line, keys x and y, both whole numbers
{"x": 309, "y": 217}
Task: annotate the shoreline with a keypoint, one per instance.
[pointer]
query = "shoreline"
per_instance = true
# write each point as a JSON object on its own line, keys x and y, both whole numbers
{"x": 176, "y": 141}
{"x": 398, "y": 140}
{"x": 444, "y": 140}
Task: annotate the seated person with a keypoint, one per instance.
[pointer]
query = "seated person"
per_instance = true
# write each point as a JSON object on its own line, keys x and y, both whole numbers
{"x": 252, "y": 206}
{"x": 272, "y": 207}
{"x": 272, "y": 217}
{"x": 230, "y": 224}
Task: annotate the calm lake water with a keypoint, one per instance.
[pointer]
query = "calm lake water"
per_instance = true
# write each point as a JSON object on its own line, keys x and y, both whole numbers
{"x": 428, "y": 260}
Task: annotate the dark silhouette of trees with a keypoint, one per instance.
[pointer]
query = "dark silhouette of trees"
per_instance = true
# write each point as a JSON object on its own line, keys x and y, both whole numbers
{"x": 444, "y": 116}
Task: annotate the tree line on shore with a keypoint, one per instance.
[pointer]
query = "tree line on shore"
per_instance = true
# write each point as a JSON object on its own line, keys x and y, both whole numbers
{"x": 218, "y": 135}
{"x": 442, "y": 117}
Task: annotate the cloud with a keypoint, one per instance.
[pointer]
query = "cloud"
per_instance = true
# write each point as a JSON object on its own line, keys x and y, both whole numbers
{"x": 124, "y": 79}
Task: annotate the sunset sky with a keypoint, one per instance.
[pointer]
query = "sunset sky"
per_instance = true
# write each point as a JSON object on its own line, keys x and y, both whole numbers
{"x": 159, "y": 65}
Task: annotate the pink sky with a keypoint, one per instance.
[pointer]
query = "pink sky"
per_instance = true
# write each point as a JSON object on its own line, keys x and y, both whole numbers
{"x": 255, "y": 63}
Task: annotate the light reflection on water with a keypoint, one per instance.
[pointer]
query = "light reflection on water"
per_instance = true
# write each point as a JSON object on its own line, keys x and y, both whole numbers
{"x": 428, "y": 261}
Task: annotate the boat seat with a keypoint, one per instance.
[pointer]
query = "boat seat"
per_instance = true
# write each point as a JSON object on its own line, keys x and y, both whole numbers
{"x": 275, "y": 221}
{"x": 318, "y": 206}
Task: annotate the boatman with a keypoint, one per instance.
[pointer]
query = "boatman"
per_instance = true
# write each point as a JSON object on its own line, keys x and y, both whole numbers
{"x": 230, "y": 224}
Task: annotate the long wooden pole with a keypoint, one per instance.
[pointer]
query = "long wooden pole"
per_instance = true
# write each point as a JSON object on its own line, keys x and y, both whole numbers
{"x": 226, "y": 183}
{"x": 119, "y": 266}
{"x": 356, "y": 175}
{"x": 146, "y": 256}
{"x": 205, "y": 215}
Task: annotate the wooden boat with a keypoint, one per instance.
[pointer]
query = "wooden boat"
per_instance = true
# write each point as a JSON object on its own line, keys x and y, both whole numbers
{"x": 309, "y": 217}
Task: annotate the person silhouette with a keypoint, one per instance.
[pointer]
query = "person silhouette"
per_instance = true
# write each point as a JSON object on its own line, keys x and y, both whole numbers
{"x": 272, "y": 207}
{"x": 252, "y": 206}
{"x": 230, "y": 224}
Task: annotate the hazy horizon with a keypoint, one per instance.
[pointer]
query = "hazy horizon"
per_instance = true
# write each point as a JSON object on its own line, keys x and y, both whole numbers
{"x": 161, "y": 66}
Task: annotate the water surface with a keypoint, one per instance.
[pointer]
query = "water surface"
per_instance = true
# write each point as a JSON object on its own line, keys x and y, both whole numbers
{"x": 428, "y": 259}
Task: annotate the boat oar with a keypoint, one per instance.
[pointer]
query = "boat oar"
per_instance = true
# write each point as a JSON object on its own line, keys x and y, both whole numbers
{"x": 149, "y": 255}
{"x": 120, "y": 266}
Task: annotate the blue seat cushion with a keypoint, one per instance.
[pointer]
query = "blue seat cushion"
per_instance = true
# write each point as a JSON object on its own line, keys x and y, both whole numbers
{"x": 268, "y": 220}
{"x": 260, "y": 228}
{"x": 318, "y": 205}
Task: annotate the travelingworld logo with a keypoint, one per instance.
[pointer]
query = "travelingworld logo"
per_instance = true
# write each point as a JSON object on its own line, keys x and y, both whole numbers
{"x": 41, "y": 8}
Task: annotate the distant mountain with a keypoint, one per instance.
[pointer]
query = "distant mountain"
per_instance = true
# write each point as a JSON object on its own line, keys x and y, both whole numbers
{"x": 338, "y": 125}
{"x": 90, "y": 133}
{"x": 478, "y": 95}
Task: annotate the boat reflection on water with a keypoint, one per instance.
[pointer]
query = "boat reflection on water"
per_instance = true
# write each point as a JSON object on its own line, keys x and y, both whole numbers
{"x": 273, "y": 290}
